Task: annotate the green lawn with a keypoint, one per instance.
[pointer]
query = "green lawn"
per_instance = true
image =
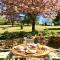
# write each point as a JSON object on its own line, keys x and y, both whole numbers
{"x": 8, "y": 28}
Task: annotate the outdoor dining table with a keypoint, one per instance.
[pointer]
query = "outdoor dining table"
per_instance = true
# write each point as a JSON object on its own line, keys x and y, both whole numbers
{"x": 32, "y": 51}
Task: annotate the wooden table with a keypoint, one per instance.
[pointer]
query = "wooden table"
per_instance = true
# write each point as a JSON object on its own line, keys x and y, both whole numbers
{"x": 41, "y": 50}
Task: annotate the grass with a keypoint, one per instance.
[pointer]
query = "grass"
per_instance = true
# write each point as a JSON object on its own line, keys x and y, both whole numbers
{"x": 8, "y": 28}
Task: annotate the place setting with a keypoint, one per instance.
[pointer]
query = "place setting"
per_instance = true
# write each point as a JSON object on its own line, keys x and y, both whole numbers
{"x": 34, "y": 50}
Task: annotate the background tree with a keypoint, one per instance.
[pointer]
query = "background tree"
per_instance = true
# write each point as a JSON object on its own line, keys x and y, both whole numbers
{"x": 57, "y": 19}
{"x": 33, "y": 7}
{"x": 27, "y": 19}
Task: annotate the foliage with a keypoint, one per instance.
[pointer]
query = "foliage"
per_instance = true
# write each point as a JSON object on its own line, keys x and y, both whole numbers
{"x": 48, "y": 33}
{"x": 33, "y": 7}
{"x": 57, "y": 19}
{"x": 12, "y": 35}
{"x": 15, "y": 32}
{"x": 3, "y": 20}
{"x": 27, "y": 18}
{"x": 36, "y": 40}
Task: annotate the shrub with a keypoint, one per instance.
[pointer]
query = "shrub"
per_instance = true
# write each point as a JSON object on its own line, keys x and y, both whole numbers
{"x": 36, "y": 40}
{"x": 28, "y": 35}
{"x": 12, "y": 35}
{"x": 22, "y": 33}
{"x": 35, "y": 33}
{"x": 54, "y": 41}
{"x": 48, "y": 32}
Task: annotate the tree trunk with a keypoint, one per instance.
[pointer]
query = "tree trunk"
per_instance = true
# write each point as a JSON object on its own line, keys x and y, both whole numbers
{"x": 21, "y": 26}
{"x": 33, "y": 23}
{"x": 12, "y": 23}
{"x": 12, "y": 20}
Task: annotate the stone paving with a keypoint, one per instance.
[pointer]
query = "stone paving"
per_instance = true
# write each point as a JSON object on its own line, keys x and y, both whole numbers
{"x": 30, "y": 59}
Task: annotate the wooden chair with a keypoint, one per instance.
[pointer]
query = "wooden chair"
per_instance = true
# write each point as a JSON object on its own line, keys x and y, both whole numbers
{"x": 5, "y": 55}
{"x": 54, "y": 55}
{"x": 17, "y": 58}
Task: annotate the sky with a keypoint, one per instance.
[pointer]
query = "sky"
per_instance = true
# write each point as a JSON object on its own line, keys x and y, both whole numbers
{"x": 42, "y": 20}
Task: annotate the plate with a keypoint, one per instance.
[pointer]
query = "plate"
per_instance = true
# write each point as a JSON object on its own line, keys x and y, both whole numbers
{"x": 30, "y": 51}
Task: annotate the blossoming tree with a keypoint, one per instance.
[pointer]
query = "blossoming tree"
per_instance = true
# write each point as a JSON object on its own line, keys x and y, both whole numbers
{"x": 33, "y": 7}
